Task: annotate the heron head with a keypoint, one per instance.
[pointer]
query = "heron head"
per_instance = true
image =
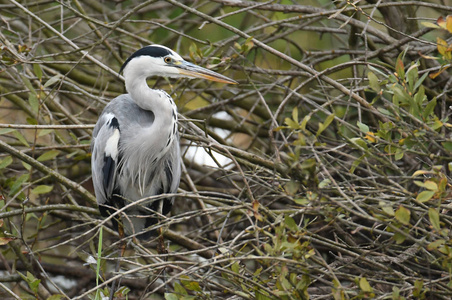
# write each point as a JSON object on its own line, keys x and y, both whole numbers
{"x": 158, "y": 60}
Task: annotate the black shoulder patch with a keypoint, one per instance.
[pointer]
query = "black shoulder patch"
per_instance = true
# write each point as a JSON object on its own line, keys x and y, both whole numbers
{"x": 108, "y": 171}
{"x": 114, "y": 123}
{"x": 154, "y": 51}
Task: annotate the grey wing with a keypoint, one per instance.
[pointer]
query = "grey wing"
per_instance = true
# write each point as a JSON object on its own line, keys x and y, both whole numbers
{"x": 105, "y": 157}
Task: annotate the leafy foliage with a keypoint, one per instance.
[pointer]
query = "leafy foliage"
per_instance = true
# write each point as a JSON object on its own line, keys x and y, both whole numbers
{"x": 325, "y": 173}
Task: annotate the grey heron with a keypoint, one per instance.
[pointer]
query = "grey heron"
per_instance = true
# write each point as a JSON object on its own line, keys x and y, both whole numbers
{"x": 135, "y": 145}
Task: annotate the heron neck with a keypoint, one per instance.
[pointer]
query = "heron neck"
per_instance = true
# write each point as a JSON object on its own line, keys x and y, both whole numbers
{"x": 150, "y": 99}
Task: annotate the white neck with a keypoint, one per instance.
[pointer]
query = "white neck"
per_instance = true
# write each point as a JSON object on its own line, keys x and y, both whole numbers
{"x": 157, "y": 101}
{"x": 163, "y": 131}
{"x": 144, "y": 97}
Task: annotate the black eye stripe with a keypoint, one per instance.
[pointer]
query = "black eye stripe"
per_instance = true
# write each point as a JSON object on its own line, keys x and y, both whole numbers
{"x": 153, "y": 51}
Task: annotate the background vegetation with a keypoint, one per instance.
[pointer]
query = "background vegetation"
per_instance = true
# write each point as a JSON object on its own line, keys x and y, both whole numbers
{"x": 324, "y": 174}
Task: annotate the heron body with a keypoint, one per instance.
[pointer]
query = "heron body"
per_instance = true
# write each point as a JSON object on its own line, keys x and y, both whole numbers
{"x": 135, "y": 145}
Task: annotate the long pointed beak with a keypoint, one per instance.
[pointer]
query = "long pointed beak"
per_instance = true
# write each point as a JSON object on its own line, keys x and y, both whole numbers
{"x": 191, "y": 70}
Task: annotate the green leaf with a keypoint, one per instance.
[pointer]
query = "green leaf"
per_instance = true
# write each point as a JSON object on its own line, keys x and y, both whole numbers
{"x": 26, "y": 166}
{"x": 447, "y": 146}
{"x": 419, "y": 82}
{"x": 373, "y": 82}
{"x": 21, "y": 138}
{"x": 34, "y": 102}
{"x": 429, "y": 108}
{"x": 419, "y": 97}
{"x": 364, "y": 285}
{"x": 399, "y": 238}
{"x": 32, "y": 121}
{"x": 304, "y": 122}
{"x": 387, "y": 209}
{"x": 324, "y": 125}
{"x": 324, "y": 183}
{"x": 235, "y": 267}
{"x": 5, "y": 162}
{"x": 301, "y": 201}
{"x": 192, "y": 285}
{"x": 43, "y": 132}
{"x": 308, "y": 164}
{"x": 400, "y": 96}
{"x": 52, "y": 80}
{"x": 418, "y": 287}
{"x": 32, "y": 281}
{"x": 261, "y": 296}
{"x": 291, "y": 123}
{"x": 6, "y": 130}
{"x": 37, "y": 70}
{"x": 356, "y": 163}
{"x": 291, "y": 187}
{"x": 28, "y": 84}
{"x": 399, "y": 154}
{"x": 363, "y": 127}
{"x": 48, "y": 155}
{"x": 171, "y": 296}
{"x": 431, "y": 185}
{"x": 435, "y": 245}
{"x": 384, "y": 111}
{"x": 18, "y": 183}
{"x": 295, "y": 114}
{"x": 290, "y": 224}
{"x": 425, "y": 196}
{"x": 433, "y": 215}
{"x": 412, "y": 76}
{"x": 403, "y": 215}
{"x": 359, "y": 143}
{"x": 179, "y": 289}
{"x": 42, "y": 189}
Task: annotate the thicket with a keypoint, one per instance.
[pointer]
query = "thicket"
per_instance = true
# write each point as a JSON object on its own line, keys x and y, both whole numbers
{"x": 324, "y": 174}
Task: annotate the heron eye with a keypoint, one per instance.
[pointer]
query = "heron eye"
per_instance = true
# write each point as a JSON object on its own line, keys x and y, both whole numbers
{"x": 168, "y": 59}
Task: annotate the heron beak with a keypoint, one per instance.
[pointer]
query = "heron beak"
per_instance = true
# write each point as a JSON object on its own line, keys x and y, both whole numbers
{"x": 191, "y": 70}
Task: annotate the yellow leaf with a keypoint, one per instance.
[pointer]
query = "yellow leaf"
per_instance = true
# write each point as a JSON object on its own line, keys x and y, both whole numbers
{"x": 436, "y": 74}
{"x": 364, "y": 285}
{"x": 434, "y": 218}
{"x": 425, "y": 196}
{"x": 431, "y": 185}
{"x": 403, "y": 215}
{"x": 449, "y": 23}
{"x": 370, "y": 136}
{"x": 427, "y": 56}
{"x": 429, "y": 25}
{"x": 441, "y": 22}
{"x": 442, "y": 46}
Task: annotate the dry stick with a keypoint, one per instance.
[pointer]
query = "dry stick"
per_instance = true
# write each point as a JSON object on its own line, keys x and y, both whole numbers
{"x": 116, "y": 25}
{"x": 46, "y": 170}
{"x": 49, "y": 126}
{"x": 11, "y": 293}
{"x": 68, "y": 41}
{"x": 98, "y": 33}
{"x": 47, "y": 208}
{"x": 314, "y": 12}
{"x": 287, "y": 58}
{"x": 311, "y": 9}
{"x": 201, "y": 203}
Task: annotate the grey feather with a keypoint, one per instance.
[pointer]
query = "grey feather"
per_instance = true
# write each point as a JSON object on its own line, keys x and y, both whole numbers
{"x": 142, "y": 168}
{"x": 135, "y": 147}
